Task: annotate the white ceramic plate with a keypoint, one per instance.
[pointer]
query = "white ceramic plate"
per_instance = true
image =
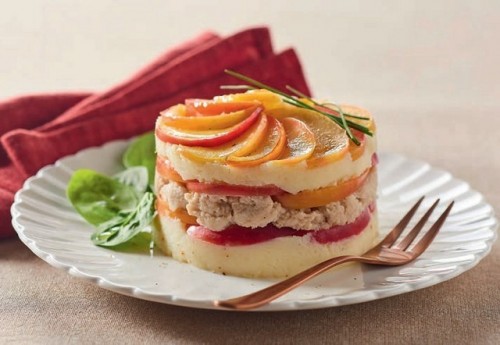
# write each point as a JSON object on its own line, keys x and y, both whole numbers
{"x": 48, "y": 225}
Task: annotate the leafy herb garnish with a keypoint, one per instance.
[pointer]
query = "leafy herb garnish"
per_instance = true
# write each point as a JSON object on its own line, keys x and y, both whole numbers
{"x": 120, "y": 207}
{"x": 292, "y": 100}
{"x": 98, "y": 198}
{"x": 126, "y": 224}
{"x": 141, "y": 152}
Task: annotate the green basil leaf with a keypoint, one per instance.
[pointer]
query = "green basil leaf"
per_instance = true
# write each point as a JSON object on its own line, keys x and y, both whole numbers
{"x": 99, "y": 198}
{"x": 135, "y": 177}
{"x": 126, "y": 225}
{"x": 141, "y": 152}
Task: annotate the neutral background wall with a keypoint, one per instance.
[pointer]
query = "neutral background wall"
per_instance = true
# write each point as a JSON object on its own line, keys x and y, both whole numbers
{"x": 406, "y": 53}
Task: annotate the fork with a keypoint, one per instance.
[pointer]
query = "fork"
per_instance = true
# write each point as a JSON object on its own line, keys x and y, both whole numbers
{"x": 386, "y": 253}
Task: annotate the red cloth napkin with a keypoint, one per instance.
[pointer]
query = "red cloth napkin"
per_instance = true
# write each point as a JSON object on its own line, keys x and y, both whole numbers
{"x": 38, "y": 130}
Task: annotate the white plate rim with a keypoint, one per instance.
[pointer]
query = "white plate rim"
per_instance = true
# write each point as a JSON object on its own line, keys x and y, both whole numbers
{"x": 207, "y": 304}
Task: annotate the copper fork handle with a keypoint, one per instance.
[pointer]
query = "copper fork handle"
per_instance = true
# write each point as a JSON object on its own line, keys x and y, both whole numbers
{"x": 271, "y": 293}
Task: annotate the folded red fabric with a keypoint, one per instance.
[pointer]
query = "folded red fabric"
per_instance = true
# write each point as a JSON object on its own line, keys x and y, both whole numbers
{"x": 48, "y": 127}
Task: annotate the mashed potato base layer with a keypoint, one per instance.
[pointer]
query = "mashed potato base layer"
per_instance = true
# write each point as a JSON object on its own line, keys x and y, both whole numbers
{"x": 280, "y": 257}
{"x": 291, "y": 178}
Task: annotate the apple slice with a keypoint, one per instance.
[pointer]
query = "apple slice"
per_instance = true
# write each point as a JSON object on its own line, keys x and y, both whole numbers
{"x": 322, "y": 196}
{"x": 206, "y": 123}
{"x": 331, "y": 140}
{"x": 300, "y": 142}
{"x": 202, "y": 107}
{"x": 246, "y": 142}
{"x": 356, "y": 151}
{"x": 205, "y": 138}
{"x": 267, "y": 150}
{"x": 166, "y": 171}
{"x": 180, "y": 214}
{"x": 268, "y": 99}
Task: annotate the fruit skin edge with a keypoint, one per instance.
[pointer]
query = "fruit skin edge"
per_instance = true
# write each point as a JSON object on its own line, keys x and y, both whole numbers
{"x": 277, "y": 258}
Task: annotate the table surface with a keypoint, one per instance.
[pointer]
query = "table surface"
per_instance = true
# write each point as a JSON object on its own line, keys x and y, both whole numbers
{"x": 429, "y": 73}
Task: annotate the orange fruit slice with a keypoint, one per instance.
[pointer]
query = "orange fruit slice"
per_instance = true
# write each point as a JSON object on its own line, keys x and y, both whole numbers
{"x": 322, "y": 196}
{"x": 180, "y": 214}
{"x": 331, "y": 140}
{"x": 300, "y": 142}
{"x": 267, "y": 150}
{"x": 166, "y": 171}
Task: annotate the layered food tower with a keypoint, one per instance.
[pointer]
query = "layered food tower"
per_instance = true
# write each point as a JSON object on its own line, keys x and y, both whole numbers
{"x": 250, "y": 185}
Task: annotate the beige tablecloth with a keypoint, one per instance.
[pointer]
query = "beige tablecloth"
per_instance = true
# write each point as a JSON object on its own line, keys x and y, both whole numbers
{"x": 41, "y": 304}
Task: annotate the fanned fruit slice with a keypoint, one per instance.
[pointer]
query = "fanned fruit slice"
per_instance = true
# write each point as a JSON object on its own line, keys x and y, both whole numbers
{"x": 206, "y": 123}
{"x": 300, "y": 142}
{"x": 267, "y": 150}
{"x": 245, "y": 143}
{"x": 332, "y": 142}
{"x": 322, "y": 196}
{"x": 268, "y": 99}
{"x": 205, "y": 138}
{"x": 204, "y": 107}
{"x": 356, "y": 151}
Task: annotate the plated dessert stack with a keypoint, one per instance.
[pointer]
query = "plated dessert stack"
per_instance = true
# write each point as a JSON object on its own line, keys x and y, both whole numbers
{"x": 249, "y": 184}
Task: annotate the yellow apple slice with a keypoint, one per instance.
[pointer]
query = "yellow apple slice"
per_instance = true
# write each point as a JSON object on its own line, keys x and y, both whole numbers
{"x": 247, "y": 142}
{"x": 207, "y": 107}
{"x": 178, "y": 110}
{"x": 267, "y": 150}
{"x": 255, "y": 136}
{"x": 332, "y": 142}
{"x": 322, "y": 196}
{"x": 357, "y": 151}
{"x": 300, "y": 142}
{"x": 267, "y": 98}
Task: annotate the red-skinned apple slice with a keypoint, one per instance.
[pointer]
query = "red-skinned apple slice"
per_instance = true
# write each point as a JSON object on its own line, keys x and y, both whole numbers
{"x": 206, "y": 138}
{"x": 205, "y": 123}
{"x": 245, "y": 143}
